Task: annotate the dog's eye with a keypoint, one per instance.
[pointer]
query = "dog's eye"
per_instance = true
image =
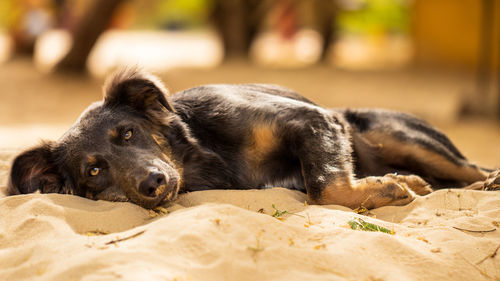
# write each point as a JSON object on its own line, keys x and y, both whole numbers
{"x": 128, "y": 135}
{"x": 94, "y": 171}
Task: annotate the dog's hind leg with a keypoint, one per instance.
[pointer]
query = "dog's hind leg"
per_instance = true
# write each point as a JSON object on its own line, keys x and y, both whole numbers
{"x": 399, "y": 143}
{"x": 323, "y": 147}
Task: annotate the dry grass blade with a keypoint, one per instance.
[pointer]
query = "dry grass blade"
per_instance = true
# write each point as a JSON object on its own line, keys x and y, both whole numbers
{"x": 96, "y": 233}
{"x": 279, "y": 214}
{"x": 490, "y": 255}
{"x": 125, "y": 238}
{"x": 474, "y": 231}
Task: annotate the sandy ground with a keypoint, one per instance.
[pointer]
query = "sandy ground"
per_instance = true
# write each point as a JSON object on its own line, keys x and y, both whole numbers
{"x": 232, "y": 235}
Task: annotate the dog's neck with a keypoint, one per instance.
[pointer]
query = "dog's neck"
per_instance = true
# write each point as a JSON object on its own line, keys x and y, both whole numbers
{"x": 196, "y": 161}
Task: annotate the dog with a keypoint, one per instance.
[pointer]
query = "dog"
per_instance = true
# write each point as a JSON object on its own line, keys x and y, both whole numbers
{"x": 143, "y": 146}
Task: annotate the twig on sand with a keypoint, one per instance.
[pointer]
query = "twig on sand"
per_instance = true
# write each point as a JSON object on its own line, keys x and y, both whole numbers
{"x": 477, "y": 268}
{"x": 125, "y": 238}
{"x": 96, "y": 233}
{"x": 474, "y": 231}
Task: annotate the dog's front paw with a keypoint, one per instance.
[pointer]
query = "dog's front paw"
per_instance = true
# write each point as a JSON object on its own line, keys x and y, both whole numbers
{"x": 385, "y": 191}
{"x": 413, "y": 182}
{"x": 492, "y": 182}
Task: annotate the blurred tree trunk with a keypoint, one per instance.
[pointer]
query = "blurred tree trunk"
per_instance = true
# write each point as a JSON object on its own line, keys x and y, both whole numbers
{"x": 94, "y": 22}
{"x": 230, "y": 17}
{"x": 237, "y": 21}
{"x": 480, "y": 102}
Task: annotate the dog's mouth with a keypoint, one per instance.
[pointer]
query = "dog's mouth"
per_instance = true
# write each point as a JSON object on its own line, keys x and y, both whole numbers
{"x": 158, "y": 189}
{"x": 162, "y": 195}
{"x": 168, "y": 191}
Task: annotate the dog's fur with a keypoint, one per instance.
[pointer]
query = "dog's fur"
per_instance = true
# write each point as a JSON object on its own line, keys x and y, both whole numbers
{"x": 140, "y": 145}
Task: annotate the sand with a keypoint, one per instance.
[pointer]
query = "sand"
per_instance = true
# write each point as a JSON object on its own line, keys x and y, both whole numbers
{"x": 232, "y": 235}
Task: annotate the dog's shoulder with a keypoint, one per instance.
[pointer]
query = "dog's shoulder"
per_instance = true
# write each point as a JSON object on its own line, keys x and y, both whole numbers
{"x": 235, "y": 93}
{"x": 276, "y": 90}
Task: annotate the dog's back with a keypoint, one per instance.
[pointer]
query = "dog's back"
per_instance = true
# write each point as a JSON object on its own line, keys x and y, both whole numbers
{"x": 382, "y": 141}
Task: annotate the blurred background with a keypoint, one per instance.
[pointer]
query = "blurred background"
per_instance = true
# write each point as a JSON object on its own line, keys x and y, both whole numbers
{"x": 437, "y": 59}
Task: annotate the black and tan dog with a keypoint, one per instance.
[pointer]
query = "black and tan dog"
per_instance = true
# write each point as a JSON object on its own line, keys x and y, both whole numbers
{"x": 140, "y": 145}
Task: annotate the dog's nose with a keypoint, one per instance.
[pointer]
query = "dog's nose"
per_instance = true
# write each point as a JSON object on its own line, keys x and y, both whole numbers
{"x": 149, "y": 186}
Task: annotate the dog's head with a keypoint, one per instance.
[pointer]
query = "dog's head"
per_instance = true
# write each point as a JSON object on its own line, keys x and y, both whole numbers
{"x": 115, "y": 151}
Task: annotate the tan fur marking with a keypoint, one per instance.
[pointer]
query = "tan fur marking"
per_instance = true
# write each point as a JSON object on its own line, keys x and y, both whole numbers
{"x": 339, "y": 192}
{"x": 113, "y": 133}
{"x": 166, "y": 150}
{"x": 167, "y": 154}
{"x": 262, "y": 143}
{"x": 370, "y": 192}
{"x": 398, "y": 151}
{"x": 91, "y": 159}
{"x": 161, "y": 141}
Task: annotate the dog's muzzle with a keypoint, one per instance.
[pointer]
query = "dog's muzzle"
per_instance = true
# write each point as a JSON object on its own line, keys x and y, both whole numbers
{"x": 160, "y": 185}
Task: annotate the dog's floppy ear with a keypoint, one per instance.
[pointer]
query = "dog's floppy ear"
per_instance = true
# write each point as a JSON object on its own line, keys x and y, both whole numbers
{"x": 35, "y": 170}
{"x": 137, "y": 89}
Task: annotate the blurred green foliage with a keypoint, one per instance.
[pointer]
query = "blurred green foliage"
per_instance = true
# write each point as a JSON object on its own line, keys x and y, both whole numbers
{"x": 176, "y": 14}
{"x": 371, "y": 17}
